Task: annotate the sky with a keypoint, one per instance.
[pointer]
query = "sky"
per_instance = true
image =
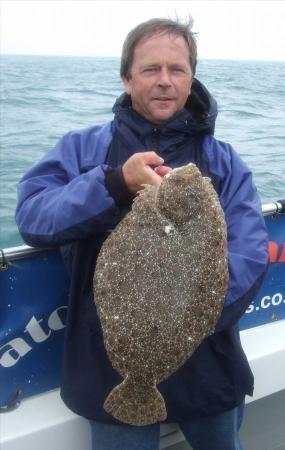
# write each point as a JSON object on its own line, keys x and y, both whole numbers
{"x": 243, "y": 29}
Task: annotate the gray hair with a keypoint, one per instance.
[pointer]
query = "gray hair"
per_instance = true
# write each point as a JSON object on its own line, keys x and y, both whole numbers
{"x": 157, "y": 26}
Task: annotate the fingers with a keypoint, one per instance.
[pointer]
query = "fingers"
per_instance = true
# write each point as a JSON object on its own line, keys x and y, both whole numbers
{"x": 162, "y": 170}
{"x": 149, "y": 158}
{"x": 137, "y": 170}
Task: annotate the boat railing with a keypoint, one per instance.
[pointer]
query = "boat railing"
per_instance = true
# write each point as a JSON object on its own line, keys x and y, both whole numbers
{"x": 23, "y": 251}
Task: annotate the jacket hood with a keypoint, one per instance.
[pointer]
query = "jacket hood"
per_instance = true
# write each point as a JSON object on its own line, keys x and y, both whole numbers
{"x": 198, "y": 115}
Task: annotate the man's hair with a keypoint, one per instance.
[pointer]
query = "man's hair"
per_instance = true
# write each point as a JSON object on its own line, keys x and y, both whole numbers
{"x": 151, "y": 28}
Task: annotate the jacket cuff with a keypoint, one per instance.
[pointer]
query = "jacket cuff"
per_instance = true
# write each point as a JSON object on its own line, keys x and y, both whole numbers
{"x": 116, "y": 185}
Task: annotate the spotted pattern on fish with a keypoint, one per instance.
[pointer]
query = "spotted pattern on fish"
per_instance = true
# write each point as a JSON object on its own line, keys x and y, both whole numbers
{"x": 160, "y": 284}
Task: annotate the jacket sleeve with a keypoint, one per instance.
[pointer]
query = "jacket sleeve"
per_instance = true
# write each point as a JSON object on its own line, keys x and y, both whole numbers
{"x": 247, "y": 238}
{"x": 63, "y": 198}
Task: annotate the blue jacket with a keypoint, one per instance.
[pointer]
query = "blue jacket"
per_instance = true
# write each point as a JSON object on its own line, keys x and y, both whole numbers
{"x": 73, "y": 198}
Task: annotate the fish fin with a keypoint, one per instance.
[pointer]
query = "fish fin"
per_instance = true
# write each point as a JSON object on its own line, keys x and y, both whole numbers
{"x": 132, "y": 404}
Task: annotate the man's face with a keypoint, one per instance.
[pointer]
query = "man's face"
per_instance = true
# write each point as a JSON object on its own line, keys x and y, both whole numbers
{"x": 161, "y": 77}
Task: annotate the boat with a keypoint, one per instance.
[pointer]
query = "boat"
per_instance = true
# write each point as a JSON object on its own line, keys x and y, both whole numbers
{"x": 34, "y": 298}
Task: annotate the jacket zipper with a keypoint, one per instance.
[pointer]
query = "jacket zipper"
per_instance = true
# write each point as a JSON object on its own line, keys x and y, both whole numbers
{"x": 154, "y": 140}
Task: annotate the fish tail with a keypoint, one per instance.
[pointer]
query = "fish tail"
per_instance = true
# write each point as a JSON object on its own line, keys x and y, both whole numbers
{"x": 131, "y": 403}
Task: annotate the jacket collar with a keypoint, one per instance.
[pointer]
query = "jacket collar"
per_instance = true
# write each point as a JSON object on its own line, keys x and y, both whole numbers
{"x": 198, "y": 115}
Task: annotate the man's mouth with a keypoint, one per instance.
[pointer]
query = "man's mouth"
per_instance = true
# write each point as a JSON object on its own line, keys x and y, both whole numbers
{"x": 163, "y": 99}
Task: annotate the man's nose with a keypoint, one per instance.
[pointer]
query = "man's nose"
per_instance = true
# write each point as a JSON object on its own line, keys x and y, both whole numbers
{"x": 164, "y": 79}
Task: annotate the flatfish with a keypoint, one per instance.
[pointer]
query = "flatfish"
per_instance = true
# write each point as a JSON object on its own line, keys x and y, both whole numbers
{"x": 160, "y": 284}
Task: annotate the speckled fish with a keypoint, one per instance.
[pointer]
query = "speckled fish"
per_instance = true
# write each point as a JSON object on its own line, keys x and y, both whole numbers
{"x": 160, "y": 283}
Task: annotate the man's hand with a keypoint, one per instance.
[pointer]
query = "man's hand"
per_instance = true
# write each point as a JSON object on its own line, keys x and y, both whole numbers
{"x": 137, "y": 171}
{"x": 162, "y": 170}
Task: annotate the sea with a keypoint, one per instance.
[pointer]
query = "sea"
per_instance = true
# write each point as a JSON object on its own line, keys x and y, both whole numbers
{"x": 44, "y": 97}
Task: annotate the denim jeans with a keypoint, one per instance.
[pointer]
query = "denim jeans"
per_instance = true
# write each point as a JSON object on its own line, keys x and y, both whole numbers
{"x": 219, "y": 432}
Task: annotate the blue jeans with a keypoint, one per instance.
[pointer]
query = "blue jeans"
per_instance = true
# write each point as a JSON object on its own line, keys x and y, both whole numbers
{"x": 219, "y": 432}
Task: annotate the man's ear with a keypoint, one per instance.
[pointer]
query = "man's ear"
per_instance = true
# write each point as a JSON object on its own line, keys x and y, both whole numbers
{"x": 128, "y": 85}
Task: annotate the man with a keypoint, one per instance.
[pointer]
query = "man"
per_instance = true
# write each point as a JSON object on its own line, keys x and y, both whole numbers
{"x": 80, "y": 191}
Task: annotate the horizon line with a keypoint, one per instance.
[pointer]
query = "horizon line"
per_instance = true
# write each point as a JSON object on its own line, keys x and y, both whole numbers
{"x": 119, "y": 57}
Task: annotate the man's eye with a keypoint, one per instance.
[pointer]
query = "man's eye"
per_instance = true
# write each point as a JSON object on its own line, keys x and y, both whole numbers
{"x": 178, "y": 69}
{"x": 150, "y": 69}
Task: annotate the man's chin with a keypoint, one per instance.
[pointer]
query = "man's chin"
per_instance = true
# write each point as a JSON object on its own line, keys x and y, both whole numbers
{"x": 161, "y": 116}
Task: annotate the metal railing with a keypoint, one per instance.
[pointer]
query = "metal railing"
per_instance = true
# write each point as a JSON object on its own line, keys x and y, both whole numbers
{"x": 273, "y": 208}
{"x": 23, "y": 251}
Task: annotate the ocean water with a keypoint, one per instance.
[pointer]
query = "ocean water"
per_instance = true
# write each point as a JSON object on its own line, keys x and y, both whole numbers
{"x": 43, "y": 97}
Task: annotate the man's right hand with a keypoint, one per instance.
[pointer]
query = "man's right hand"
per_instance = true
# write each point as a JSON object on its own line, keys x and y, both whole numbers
{"x": 137, "y": 171}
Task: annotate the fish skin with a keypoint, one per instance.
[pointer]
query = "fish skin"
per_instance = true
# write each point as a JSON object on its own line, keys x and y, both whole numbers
{"x": 160, "y": 283}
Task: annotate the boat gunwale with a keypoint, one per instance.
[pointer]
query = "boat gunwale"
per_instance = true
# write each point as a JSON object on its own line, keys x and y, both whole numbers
{"x": 24, "y": 251}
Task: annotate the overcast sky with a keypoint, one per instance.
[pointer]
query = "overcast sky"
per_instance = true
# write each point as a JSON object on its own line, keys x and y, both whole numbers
{"x": 227, "y": 29}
